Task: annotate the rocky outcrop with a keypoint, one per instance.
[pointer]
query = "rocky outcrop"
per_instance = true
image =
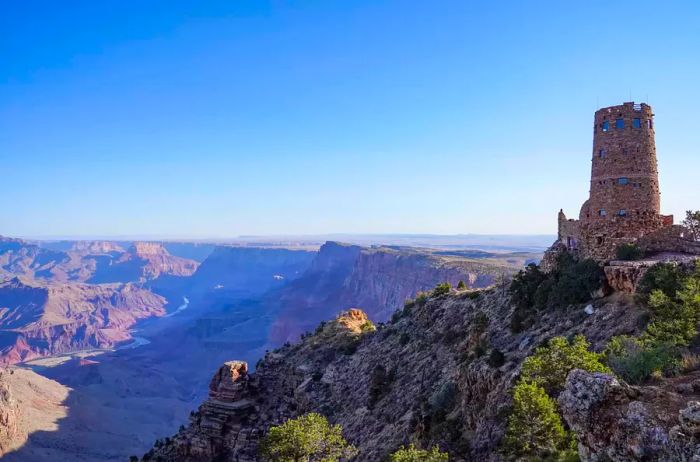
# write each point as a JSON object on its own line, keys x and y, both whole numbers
{"x": 38, "y": 320}
{"x": 424, "y": 378}
{"x": 616, "y": 422}
{"x": 625, "y": 276}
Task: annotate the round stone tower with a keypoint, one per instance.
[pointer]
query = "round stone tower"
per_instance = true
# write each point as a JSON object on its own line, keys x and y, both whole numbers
{"x": 624, "y": 202}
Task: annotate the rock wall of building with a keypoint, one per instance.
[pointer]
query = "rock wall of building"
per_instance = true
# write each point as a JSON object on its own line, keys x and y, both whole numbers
{"x": 624, "y": 202}
{"x": 676, "y": 238}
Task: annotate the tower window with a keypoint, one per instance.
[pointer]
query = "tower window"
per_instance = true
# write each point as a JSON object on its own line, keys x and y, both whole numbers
{"x": 602, "y": 213}
{"x": 637, "y": 123}
{"x": 602, "y": 153}
{"x": 622, "y": 181}
{"x": 650, "y": 123}
{"x": 619, "y": 123}
{"x": 622, "y": 213}
{"x": 605, "y": 126}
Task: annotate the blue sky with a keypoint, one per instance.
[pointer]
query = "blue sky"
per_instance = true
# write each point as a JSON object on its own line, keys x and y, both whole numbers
{"x": 181, "y": 119}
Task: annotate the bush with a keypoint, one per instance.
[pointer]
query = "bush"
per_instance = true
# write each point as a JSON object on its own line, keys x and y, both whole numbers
{"x": 442, "y": 289}
{"x": 570, "y": 282}
{"x": 412, "y": 454}
{"x": 443, "y": 400}
{"x": 307, "y": 438}
{"x": 692, "y": 222}
{"x": 675, "y": 317}
{"x": 461, "y": 285}
{"x": 637, "y": 363}
{"x": 525, "y": 285}
{"x": 404, "y": 338}
{"x": 378, "y": 385}
{"x": 535, "y": 430}
{"x": 550, "y": 365}
{"x": 480, "y": 322}
{"x": 666, "y": 277}
{"x": 575, "y": 282}
{"x": 496, "y": 358}
{"x": 630, "y": 252}
{"x": 368, "y": 326}
{"x": 421, "y": 298}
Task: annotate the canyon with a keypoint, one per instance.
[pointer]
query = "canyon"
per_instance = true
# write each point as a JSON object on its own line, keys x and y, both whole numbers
{"x": 70, "y": 313}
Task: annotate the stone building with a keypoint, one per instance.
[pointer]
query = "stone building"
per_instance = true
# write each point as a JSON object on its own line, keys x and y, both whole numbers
{"x": 624, "y": 205}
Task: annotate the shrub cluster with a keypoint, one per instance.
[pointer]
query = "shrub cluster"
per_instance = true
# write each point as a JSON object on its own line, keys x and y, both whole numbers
{"x": 307, "y": 438}
{"x": 379, "y": 385}
{"x": 570, "y": 282}
{"x": 535, "y": 429}
{"x": 550, "y": 364}
{"x": 629, "y": 252}
{"x": 441, "y": 289}
{"x": 413, "y": 454}
{"x": 672, "y": 293}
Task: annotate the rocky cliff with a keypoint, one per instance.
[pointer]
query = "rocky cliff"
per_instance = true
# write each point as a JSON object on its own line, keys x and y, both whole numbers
{"x": 425, "y": 377}
{"x": 250, "y": 270}
{"x": 379, "y": 279}
{"x": 38, "y": 320}
{"x": 28, "y": 403}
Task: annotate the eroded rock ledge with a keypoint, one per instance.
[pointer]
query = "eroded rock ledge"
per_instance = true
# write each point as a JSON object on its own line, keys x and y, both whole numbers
{"x": 618, "y": 422}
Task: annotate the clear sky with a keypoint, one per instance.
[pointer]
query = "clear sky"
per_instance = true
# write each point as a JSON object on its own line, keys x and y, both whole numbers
{"x": 214, "y": 119}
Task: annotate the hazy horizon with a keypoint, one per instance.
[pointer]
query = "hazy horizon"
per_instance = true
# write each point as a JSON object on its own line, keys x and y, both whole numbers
{"x": 268, "y": 118}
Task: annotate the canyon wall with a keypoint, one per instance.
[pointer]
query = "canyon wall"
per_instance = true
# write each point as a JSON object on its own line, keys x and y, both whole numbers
{"x": 377, "y": 279}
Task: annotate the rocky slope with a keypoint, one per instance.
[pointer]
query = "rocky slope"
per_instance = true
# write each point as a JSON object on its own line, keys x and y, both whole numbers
{"x": 618, "y": 422}
{"x": 379, "y": 279}
{"x": 29, "y": 403}
{"x": 425, "y": 378}
{"x": 38, "y": 320}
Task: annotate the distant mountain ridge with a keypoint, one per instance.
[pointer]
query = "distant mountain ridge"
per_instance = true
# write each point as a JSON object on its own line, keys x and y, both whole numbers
{"x": 90, "y": 262}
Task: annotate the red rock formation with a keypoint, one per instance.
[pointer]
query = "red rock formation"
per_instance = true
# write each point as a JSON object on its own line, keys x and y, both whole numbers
{"x": 38, "y": 320}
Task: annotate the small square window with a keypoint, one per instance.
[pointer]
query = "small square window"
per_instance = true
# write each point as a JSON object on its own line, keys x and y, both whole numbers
{"x": 622, "y": 213}
{"x": 602, "y": 212}
{"x": 601, "y": 153}
{"x": 622, "y": 181}
{"x": 619, "y": 123}
{"x": 637, "y": 123}
{"x": 605, "y": 126}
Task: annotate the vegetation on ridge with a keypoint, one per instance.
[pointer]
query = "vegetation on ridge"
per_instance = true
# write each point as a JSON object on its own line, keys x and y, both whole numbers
{"x": 308, "y": 438}
{"x": 412, "y": 454}
{"x": 692, "y": 222}
{"x": 570, "y": 282}
{"x": 629, "y": 252}
{"x": 535, "y": 429}
{"x": 672, "y": 293}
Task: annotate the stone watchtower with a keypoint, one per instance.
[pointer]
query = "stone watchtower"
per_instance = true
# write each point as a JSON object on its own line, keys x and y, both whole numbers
{"x": 624, "y": 202}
